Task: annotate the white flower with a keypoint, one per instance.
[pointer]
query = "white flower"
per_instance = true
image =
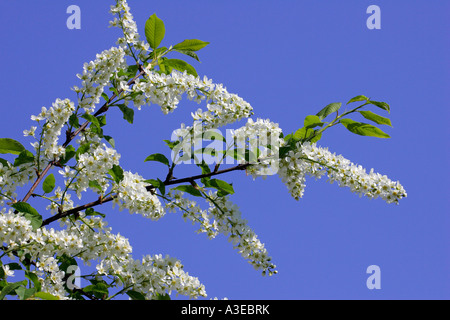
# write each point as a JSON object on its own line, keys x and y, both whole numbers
{"x": 308, "y": 159}
{"x": 8, "y": 272}
{"x": 133, "y": 195}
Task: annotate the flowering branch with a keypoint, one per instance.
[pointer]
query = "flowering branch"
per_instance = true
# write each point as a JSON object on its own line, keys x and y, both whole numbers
{"x": 45, "y": 253}
{"x": 101, "y": 200}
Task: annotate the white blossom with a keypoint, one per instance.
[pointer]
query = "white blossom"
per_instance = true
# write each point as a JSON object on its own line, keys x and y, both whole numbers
{"x": 133, "y": 195}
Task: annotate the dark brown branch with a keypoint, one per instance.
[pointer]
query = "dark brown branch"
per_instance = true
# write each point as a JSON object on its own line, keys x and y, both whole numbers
{"x": 67, "y": 213}
{"x": 242, "y": 166}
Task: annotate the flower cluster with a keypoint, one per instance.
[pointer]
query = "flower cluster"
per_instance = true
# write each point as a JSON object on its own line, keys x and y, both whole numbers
{"x": 262, "y": 139}
{"x": 153, "y": 275}
{"x": 230, "y": 223}
{"x": 90, "y": 239}
{"x": 96, "y": 75}
{"x": 224, "y": 217}
{"x": 316, "y": 161}
{"x": 167, "y": 90}
{"x": 14, "y": 228}
{"x": 55, "y": 118}
{"x": 133, "y": 195}
{"x": 192, "y": 211}
{"x": 126, "y": 22}
{"x": 93, "y": 166}
{"x": 13, "y": 177}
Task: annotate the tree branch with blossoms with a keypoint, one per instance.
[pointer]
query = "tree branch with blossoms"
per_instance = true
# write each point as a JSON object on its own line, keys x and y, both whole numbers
{"x": 139, "y": 73}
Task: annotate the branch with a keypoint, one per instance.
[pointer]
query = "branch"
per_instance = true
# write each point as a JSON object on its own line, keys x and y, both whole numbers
{"x": 72, "y": 135}
{"x": 73, "y": 211}
{"x": 241, "y": 166}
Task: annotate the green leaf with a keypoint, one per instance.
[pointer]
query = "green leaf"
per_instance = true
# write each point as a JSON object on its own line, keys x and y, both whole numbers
{"x": 93, "y": 184}
{"x": 161, "y": 297}
{"x": 132, "y": 69}
{"x": 158, "y": 157}
{"x": 205, "y": 170}
{"x": 189, "y": 189}
{"x": 329, "y": 109}
{"x": 114, "y": 90}
{"x": 14, "y": 266}
{"x": 24, "y": 157}
{"x": 363, "y": 129}
{"x": 382, "y": 105}
{"x": 153, "y": 182}
{"x": 358, "y": 98}
{"x": 10, "y": 288}
{"x": 10, "y": 146}
{"x": 101, "y": 120}
{"x": 116, "y": 173}
{"x": 220, "y": 185}
{"x": 312, "y": 122}
{"x": 171, "y": 144}
{"x": 33, "y": 278}
{"x": 49, "y": 183}
{"x": 69, "y": 154}
{"x": 157, "y": 184}
{"x": 128, "y": 113}
{"x": 302, "y": 133}
{"x": 73, "y": 120}
{"x": 189, "y": 53}
{"x": 100, "y": 289}
{"x": 180, "y": 65}
{"x": 30, "y": 213}
{"x": 65, "y": 261}
{"x": 190, "y": 44}
{"x": 82, "y": 149}
{"x": 134, "y": 295}
{"x": 157, "y": 53}
{"x": 45, "y": 296}
{"x": 4, "y": 162}
{"x": 91, "y": 119}
{"x": 369, "y": 115}
{"x": 110, "y": 141}
{"x": 92, "y": 212}
{"x": 162, "y": 187}
{"x": 154, "y": 31}
{"x": 25, "y": 293}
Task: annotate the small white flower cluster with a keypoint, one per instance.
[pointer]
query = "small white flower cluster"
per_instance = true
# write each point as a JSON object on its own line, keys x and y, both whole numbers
{"x": 92, "y": 166}
{"x": 14, "y": 228}
{"x": 133, "y": 195}
{"x": 56, "y": 117}
{"x": 226, "y": 219}
{"x": 91, "y": 240}
{"x": 13, "y": 177}
{"x": 153, "y": 275}
{"x": 96, "y": 75}
{"x": 316, "y": 161}
{"x": 263, "y": 140}
{"x": 51, "y": 277}
{"x": 126, "y": 22}
{"x": 167, "y": 90}
{"x": 192, "y": 211}
{"x": 244, "y": 239}
{"x": 61, "y": 201}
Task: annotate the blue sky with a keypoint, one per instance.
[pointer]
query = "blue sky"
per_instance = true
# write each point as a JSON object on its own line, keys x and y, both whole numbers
{"x": 288, "y": 59}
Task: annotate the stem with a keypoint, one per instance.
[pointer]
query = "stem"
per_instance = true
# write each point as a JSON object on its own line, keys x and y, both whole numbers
{"x": 58, "y": 216}
{"x": 71, "y": 136}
